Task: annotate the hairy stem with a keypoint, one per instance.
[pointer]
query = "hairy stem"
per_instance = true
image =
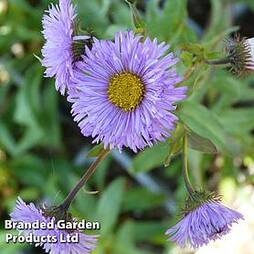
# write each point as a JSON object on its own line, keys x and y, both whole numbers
{"x": 90, "y": 171}
{"x": 187, "y": 181}
{"x": 221, "y": 61}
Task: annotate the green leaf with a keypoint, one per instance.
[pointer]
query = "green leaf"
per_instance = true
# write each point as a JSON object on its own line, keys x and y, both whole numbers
{"x": 8, "y": 248}
{"x": 7, "y": 141}
{"x": 96, "y": 15}
{"x": 201, "y": 144}
{"x": 205, "y": 123}
{"x": 101, "y": 172}
{"x": 169, "y": 21}
{"x": 194, "y": 48}
{"x": 49, "y": 119}
{"x": 121, "y": 14}
{"x": 220, "y": 19}
{"x": 30, "y": 193}
{"x": 149, "y": 200}
{"x": 109, "y": 206}
{"x": 33, "y": 167}
{"x": 125, "y": 240}
{"x": 187, "y": 58}
{"x": 136, "y": 17}
{"x": 150, "y": 230}
{"x": 175, "y": 144}
{"x": 25, "y": 113}
{"x": 238, "y": 121}
{"x": 150, "y": 158}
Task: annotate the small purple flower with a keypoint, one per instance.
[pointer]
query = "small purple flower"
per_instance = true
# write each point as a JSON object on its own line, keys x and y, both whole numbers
{"x": 126, "y": 92}
{"x": 209, "y": 221}
{"x": 59, "y": 50}
{"x": 29, "y": 214}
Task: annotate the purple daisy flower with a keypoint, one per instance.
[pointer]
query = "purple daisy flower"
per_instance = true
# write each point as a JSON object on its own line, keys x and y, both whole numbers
{"x": 59, "y": 49}
{"x": 209, "y": 221}
{"x": 29, "y": 214}
{"x": 126, "y": 92}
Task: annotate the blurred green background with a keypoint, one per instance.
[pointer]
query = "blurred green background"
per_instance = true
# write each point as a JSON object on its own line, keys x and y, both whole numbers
{"x": 43, "y": 154}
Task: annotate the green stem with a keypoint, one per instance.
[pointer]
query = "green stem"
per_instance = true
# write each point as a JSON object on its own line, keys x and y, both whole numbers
{"x": 136, "y": 17}
{"x": 187, "y": 181}
{"x": 221, "y": 61}
{"x": 91, "y": 170}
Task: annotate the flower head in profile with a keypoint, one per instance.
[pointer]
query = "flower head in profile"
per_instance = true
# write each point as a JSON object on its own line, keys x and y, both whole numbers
{"x": 63, "y": 46}
{"x": 205, "y": 219}
{"x": 241, "y": 54}
{"x": 126, "y": 92}
{"x": 29, "y": 214}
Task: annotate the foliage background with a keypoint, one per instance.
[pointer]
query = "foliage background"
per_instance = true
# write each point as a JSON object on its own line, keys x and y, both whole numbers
{"x": 42, "y": 153}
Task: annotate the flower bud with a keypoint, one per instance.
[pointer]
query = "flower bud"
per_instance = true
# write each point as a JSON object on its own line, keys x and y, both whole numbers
{"x": 241, "y": 54}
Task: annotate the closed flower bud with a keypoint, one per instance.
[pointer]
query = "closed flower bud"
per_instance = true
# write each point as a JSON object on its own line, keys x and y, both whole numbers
{"x": 241, "y": 54}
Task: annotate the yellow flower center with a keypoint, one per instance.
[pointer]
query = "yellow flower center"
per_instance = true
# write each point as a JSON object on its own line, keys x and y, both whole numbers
{"x": 126, "y": 90}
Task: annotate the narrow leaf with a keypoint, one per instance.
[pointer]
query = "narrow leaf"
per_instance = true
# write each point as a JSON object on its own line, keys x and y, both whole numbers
{"x": 201, "y": 144}
{"x": 205, "y": 123}
{"x": 110, "y": 205}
